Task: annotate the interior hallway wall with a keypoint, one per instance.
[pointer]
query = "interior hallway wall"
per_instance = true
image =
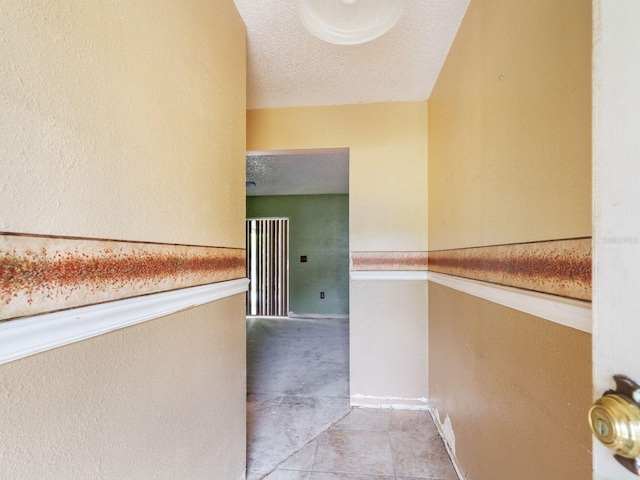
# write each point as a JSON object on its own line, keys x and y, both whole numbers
{"x": 154, "y": 400}
{"x": 127, "y": 121}
{"x": 319, "y": 230}
{"x": 387, "y": 213}
{"x": 510, "y": 161}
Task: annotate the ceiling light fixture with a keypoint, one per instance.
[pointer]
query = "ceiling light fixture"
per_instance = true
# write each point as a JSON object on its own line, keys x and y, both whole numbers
{"x": 349, "y": 22}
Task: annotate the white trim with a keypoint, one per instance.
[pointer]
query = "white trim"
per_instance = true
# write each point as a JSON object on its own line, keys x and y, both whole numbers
{"x": 298, "y": 151}
{"x": 397, "y": 403}
{"x": 23, "y": 337}
{"x": 317, "y": 316}
{"x": 388, "y": 275}
{"x": 565, "y": 311}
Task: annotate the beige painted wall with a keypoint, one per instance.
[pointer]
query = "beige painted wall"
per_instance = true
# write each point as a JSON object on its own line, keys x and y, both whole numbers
{"x": 126, "y": 121}
{"x": 516, "y": 388}
{"x": 510, "y": 161}
{"x": 510, "y": 126}
{"x": 387, "y": 164}
{"x": 161, "y": 400}
{"x": 119, "y": 117}
{"x": 389, "y": 320}
{"x": 387, "y": 212}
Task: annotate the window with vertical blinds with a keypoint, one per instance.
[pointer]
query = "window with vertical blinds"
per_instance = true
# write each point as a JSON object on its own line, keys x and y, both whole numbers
{"x": 267, "y": 267}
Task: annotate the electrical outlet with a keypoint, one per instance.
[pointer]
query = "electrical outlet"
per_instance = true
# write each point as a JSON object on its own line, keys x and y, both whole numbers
{"x": 321, "y": 294}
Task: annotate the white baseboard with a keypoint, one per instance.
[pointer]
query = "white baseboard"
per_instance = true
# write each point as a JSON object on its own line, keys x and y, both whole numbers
{"x": 397, "y": 403}
{"x": 319, "y": 316}
{"x": 446, "y": 433}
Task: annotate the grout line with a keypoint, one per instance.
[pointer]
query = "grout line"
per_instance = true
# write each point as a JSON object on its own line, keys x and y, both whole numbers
{"x": 393, "y": 460}
{"x": 312, "y": 440}
{"x": 315, "y": 454}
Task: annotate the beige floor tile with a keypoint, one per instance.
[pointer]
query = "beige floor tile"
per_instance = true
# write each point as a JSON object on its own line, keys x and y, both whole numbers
{"x": 420, "y": 478}
{"x": 348, "y": 476}
{"x": 413, "y": 457}
{"x": 354, "y": 451}
{"x": 412, "y": 421}
{"x": 288, "y": 475}
{"x": 365, "y": 419}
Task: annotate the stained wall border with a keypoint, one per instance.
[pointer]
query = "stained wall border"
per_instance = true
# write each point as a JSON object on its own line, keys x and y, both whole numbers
{"x": 557, "y": 267}
{"x": 42, "y": 274}
{"x": 548, "y": 279}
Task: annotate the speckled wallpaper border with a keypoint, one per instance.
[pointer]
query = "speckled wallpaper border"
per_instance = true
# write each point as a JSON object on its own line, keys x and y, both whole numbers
{"x": 557, "y": 267}
{"x": 377, "y": 261}
{"x": 41, "y": 274}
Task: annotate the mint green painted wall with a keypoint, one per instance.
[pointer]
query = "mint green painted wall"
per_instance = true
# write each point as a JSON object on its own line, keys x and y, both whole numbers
{"x": 319, "y": 229}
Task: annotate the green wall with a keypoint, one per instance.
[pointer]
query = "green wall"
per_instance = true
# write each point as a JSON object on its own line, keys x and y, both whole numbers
{"x": 319, "y": 229}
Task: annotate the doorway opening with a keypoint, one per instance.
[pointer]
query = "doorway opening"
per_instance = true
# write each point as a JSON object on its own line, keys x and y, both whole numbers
{"x": 298, "y": 300}
{"x": 303, "y": 273}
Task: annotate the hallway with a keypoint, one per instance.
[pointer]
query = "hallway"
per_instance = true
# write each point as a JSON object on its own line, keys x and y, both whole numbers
{"x": 300, "y": 425}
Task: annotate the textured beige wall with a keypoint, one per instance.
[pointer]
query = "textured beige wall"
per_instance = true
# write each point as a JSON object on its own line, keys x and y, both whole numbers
{"x": 510, "y": 161}
{"x": 510, "y": 127}
{"x": 387, "y": 164}
{"x": 117, "y": 119}
{"x": 391, "y": 358}
{"x": 158, "y": 400}
{"x": 387, "y": 212}
{"x": 517, "y": 389}
{"x": 126, "y": 121}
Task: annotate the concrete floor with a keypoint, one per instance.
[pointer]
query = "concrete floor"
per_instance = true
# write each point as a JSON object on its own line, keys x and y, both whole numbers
{"x": 300, "y": 425}
{"x": 297, "y": 386}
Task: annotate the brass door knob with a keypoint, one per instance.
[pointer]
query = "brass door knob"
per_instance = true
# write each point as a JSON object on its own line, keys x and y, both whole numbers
{"x": 615, "y": 421}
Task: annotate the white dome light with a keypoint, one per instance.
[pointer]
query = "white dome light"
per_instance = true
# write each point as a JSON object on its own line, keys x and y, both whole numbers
{"x": 349, "y": 22}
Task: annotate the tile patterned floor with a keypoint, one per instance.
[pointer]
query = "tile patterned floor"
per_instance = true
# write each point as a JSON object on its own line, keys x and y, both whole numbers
{"x": 300, "y": 425}
{"x": 372, "y": 444}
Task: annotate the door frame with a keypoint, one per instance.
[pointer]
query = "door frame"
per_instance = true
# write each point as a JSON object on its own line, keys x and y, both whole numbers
{"x": 616, "y": 205}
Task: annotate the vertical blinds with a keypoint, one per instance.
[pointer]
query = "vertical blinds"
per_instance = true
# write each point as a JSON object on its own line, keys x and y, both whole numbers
{"x": 267, "y": 267}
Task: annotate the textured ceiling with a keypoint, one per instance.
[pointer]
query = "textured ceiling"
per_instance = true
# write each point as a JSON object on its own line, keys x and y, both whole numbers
{"x": 298, "y": 172}
{"x": 287, "y": 66}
